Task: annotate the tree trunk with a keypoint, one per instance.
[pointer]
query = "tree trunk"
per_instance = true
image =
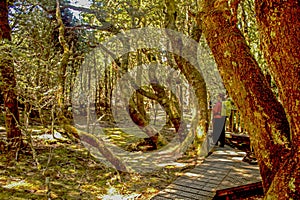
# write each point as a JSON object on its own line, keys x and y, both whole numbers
{"x": 99, "y": 144}
{"x": 279, "y": 25}
{"x": 170, "y": 104}
{"x": 140, "y": 98}
{"x": 281, "y": 47}
{"x": 265, "y": 116}
{"x": 63, "y": 63}
{"x": 193, "y": 76}
{"x": 9, "y": 81}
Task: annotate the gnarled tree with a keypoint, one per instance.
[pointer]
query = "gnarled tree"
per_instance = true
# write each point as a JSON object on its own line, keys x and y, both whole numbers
{"x": 273, "y": 125}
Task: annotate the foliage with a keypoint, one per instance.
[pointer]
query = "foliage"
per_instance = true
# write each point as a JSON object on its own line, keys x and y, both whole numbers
{"x": 46, "y": 55}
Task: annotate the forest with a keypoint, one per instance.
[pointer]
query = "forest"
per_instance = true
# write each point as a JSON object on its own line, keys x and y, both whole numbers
{"x": 112, "y": 99}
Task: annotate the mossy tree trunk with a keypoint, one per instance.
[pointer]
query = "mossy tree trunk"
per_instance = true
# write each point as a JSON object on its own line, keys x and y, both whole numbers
{"x": 63, "y": 63}
{"x": 9, "y": 80}
{"x": 169, "y": 103}
{"x": 140, "y": 98}
{"x": 193, "y": 76}
{"x": 279, "y": 25}
{"x": 272, "y": 125}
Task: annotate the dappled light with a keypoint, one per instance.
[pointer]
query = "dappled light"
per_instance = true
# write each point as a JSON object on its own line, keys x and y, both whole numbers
{"x": 149, "y": 99}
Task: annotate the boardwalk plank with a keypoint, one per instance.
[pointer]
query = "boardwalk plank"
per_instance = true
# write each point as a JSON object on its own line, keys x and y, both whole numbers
{"x": 199, "y": 185}
{"x": 192, "y": 190}
{"x": 160, "y": 197}
{"x": 222, "y": 169}
{"x": 178, "y": 194}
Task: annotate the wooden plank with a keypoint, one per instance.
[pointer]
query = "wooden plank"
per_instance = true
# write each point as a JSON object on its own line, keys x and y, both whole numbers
{"x": 193, "y": 190}
{"x": 208, "y": 178}
{"x": 199, "y": 184}
{"x": 183, "y": 195}
{"x": 239, "y": 189}
{"x": 160, "y": 197}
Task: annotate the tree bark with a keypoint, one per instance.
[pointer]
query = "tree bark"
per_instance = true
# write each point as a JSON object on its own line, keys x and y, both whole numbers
{"x": 265, "y": 116}
{"x": 139, "y": 97}
{"x": 99, "y": 144}
{"x": 9, "y": 81}
{"x": 170, "y": 104}
{"x": 63, "y": 62}
{"x": 193, "y": 76}
{"x": 279, "y": 25}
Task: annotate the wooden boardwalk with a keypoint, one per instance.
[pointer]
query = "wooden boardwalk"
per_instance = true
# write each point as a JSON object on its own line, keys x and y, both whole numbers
{"x": 223, "y": 169}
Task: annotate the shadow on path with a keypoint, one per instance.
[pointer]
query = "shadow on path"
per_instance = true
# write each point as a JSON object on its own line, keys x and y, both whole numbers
{"x": 223, "y": 169}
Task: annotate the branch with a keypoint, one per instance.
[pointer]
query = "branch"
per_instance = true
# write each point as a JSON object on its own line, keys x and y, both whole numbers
{"x": 100, "y": 145}
{"x": 66, "y": 53}
{"x": 61, "y": 28}
{"x": 110, "y": 27}
{"x": 86, "y": 26}
{"x": 99, "y": 15}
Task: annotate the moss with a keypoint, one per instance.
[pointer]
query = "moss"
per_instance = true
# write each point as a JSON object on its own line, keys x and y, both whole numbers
{"x": 75, "y": 174}
{"x": 292, "y": 185}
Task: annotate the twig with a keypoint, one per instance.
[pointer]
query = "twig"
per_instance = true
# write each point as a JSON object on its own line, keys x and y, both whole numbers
{"x": 48, "y": 189}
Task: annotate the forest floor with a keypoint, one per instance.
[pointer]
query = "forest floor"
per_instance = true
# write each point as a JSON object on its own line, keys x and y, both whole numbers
{"x": 63, "y": 169}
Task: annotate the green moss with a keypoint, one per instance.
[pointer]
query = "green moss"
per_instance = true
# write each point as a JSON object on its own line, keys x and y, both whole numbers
{"x": 292, "y": 185}
{"x": 74, "y": 173}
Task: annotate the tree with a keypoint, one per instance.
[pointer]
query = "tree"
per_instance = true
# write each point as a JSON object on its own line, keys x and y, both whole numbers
{"x": 273, "y": 124}
{"x": 123, "y": 15}
{"x": 191, "y": 73}
{"x": 8, "y": 80}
